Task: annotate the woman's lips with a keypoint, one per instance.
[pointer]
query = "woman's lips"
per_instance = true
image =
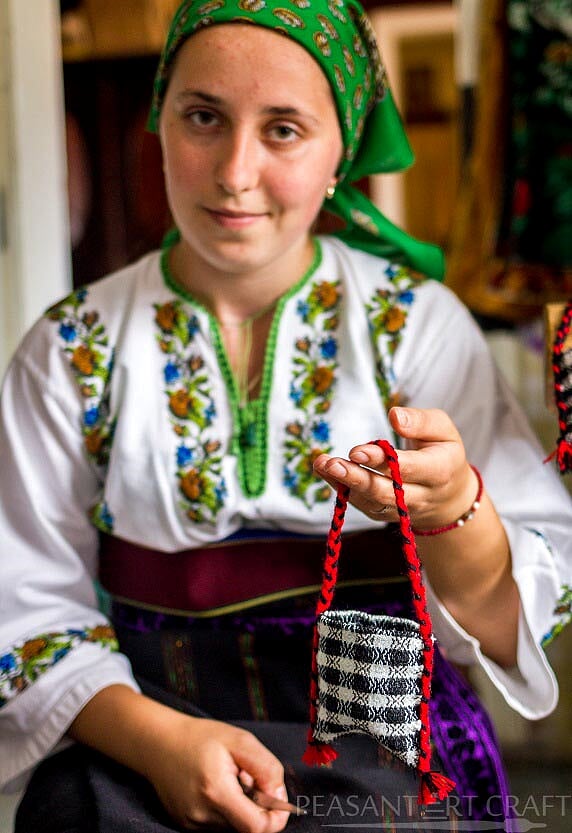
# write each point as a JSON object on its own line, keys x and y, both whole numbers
{"x": 234, "y": 219}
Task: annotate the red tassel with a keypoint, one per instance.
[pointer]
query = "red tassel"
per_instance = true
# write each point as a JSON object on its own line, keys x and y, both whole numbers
{"x": 319, "y": 754}
{"x": 563, "y": 454}
{"x": 434, "y": 787}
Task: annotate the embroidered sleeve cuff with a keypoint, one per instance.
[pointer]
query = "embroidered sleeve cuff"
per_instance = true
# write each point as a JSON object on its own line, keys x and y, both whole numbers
{"x": 33, "y": 723}
{"x": 530, "y": 688}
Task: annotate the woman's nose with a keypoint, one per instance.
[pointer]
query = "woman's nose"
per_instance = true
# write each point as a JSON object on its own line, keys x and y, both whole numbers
{"x": 237, "y": 169}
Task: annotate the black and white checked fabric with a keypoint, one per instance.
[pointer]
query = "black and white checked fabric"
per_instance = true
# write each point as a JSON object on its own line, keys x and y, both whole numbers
{"x": 369, "y": 680}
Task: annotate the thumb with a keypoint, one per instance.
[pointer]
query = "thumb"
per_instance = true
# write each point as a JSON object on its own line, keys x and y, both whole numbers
{"x": 426, "y": 425}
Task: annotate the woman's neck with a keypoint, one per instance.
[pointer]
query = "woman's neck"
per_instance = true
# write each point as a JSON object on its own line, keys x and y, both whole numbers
{"x": 236, "y": 297}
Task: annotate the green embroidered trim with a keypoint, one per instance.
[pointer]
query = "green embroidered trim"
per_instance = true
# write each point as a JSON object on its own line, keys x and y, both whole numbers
{"x": 312, "y": 387}
{"x": 387, "y": 315}
{"x": 563, "y": 609}
{"x": 191, "y": 412}
{"x": 250, "y": 435}
{"x": 21, "y": 667}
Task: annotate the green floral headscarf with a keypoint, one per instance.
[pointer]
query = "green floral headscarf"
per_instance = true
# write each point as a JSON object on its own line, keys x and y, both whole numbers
{"x": 340, "y": 38}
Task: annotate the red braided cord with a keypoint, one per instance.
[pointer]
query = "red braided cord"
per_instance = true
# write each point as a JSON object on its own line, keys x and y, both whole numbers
{"x": 563, "y": 450}
{"x": 330, "y": 572}
{"x": 329, "y": 578}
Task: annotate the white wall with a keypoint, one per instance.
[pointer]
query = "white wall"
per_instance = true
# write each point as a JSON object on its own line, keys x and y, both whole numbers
{"x": 34, "y": 249}
{"x": 34, "y": 256}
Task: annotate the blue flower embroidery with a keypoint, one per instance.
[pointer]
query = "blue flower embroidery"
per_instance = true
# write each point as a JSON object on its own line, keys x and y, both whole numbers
{"x": 221, "y": 492}
{"x": 210, "y": 412}
{"x": 406, "y": 297}
{"x": 321, "y": 431}
{"x": 290, "y": 479}
{"x": 171, "y": 372}
{"x": 295, "y": 393}
{"x": 303, "y": 308}
{"x": 7, "y": 663}
{"x": 67, "y": 332}
{"x": 193, "y": 326}
{"x": 91, "y": 416}
{"x": 329, "y": 348}
{"x": 184, "y": 456}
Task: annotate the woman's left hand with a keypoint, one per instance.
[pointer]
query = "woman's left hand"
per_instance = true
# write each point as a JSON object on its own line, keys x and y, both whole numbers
{"x": 439, "y": 484}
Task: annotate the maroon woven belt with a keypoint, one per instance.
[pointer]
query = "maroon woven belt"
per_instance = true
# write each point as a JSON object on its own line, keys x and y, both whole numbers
{"x": 234, "y": 572}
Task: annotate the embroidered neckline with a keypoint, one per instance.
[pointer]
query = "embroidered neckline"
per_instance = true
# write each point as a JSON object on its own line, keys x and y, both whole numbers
{"x": 250, "y": 435}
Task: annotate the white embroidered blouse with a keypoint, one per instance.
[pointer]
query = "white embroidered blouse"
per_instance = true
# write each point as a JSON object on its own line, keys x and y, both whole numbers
{"x": 119, "y": 412}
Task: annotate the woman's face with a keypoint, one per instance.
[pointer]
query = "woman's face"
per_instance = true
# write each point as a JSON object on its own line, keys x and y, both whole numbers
{"x": 251, "y": 141}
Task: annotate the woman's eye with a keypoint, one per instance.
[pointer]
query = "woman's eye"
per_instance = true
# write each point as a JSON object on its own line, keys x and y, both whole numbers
{"x": 284, "y": 133}
{"x": 201, "y": 118}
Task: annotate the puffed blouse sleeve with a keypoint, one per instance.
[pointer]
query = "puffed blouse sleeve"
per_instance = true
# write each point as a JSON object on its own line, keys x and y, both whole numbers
{"x": 56, "y": 648}
{"x": 444, "y": 362}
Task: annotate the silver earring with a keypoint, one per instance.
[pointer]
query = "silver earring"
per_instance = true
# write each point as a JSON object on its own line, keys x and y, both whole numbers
{"x": 330, "y": 191}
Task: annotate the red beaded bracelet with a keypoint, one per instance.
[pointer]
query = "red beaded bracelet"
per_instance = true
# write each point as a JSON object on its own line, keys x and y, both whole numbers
{"x": 468, "y": 516}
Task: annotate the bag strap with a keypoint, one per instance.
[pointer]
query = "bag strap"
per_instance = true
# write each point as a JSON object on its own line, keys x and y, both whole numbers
{"x": 433, "y": 785}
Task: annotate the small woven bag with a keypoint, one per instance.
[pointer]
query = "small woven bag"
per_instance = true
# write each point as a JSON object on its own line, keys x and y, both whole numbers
{"x": 371, "y": 674}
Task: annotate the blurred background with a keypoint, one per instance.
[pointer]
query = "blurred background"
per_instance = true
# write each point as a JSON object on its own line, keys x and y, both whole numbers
{"x": 485, "y": 90}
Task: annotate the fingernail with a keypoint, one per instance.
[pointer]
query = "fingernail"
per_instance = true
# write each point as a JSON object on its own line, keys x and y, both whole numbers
{"x": 402, "y": 416}
{"x": 360, "y": 457}
{"x": 337, "y": 469}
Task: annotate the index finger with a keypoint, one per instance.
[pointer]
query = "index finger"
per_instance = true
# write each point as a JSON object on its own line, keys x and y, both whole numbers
{"x": 258, "y": 766}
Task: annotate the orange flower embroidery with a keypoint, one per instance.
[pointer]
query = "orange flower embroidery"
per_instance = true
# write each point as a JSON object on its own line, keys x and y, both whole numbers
{"x": 180, "y": 403}
{"x": 394, "y": 320}
{"x": 327, "y": 295}
{"x": 322, "y": 379}
{"x": 32, "y": 648}
{"x": 192, "y": 484}
{"x": 165, "y": 317}
{"x": 84, "y": 359}
{"x": 100, "y": 633}
{"x": 93, "y": 442}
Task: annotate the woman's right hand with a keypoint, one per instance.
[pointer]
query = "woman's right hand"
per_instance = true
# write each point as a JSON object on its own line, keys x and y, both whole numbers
{"x": 194, "y": 763}
{"x": 195, "y": 773}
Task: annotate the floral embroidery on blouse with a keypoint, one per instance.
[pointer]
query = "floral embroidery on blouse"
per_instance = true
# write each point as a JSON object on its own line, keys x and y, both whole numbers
{"x": 91, "y": 359}
{"x": 563, "y": 610}
{"x": 191, "y": 412}
{"x": 313, "y": 380}
{"x": 387, "y": 315}
{"x": 21, "y": 667}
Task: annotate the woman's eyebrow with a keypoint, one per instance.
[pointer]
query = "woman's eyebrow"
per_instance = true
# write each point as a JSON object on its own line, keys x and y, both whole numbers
{"x": 273, "y": 110}
{"x": 289, "y": 111}
{"x": 207, "y": 97}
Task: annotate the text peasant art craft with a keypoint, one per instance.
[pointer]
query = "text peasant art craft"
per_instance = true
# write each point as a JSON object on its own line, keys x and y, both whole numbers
{"x": 372, "y": 674}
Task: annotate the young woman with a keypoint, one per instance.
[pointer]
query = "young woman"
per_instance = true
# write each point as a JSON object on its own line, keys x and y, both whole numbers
{"x": 174, "y": 429}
